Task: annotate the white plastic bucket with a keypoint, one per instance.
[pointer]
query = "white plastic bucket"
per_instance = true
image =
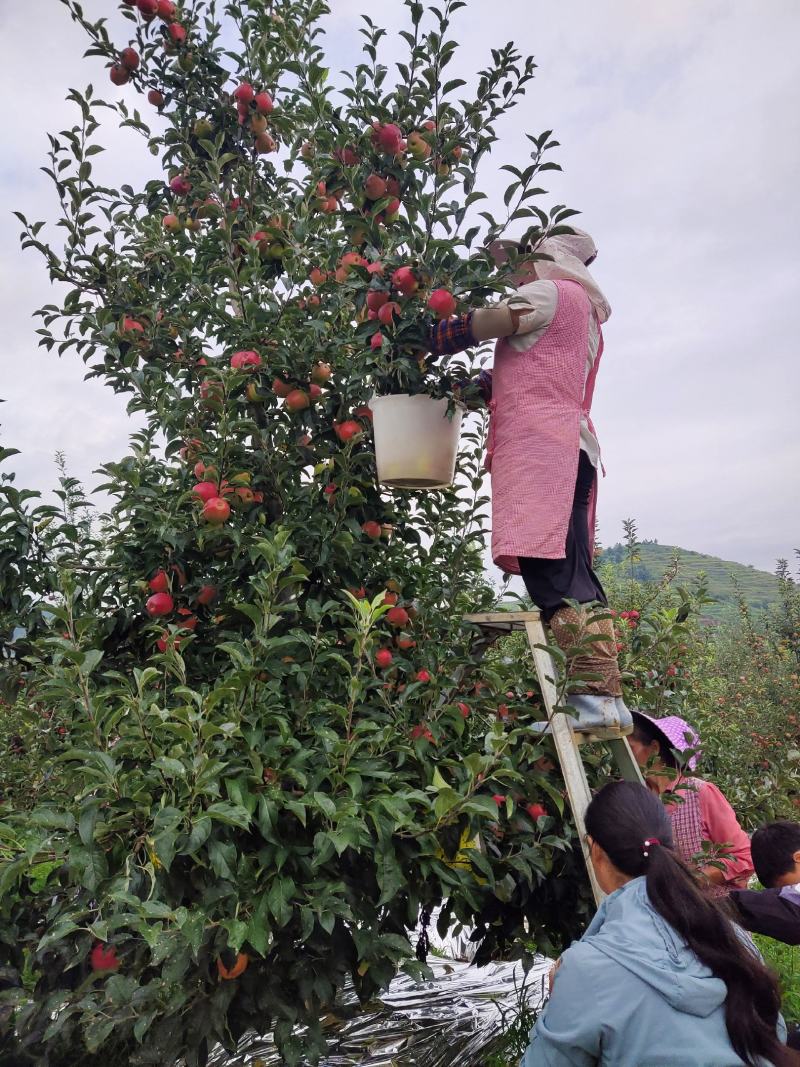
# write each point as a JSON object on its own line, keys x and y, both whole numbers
{"x": 416, "y": 444}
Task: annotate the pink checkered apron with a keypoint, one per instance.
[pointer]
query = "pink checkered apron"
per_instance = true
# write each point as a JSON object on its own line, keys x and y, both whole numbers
{"x": 687, "y": 828}
{"x": 538, "y": 397}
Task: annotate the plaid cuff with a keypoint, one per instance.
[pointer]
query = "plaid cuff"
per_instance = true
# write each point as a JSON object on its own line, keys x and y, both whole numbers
{"x": 485, "y": 385}
{"x": 451, "y": 335}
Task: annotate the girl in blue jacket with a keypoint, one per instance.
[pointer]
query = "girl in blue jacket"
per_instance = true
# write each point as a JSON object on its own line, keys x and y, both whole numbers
{"x": 661, "y": 978}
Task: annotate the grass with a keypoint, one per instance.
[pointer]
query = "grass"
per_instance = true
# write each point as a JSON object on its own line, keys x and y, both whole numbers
{"x": 516, "y": 1024}
{"x": 785, "y": 961}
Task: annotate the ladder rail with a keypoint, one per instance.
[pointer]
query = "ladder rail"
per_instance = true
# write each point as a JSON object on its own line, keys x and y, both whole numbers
{"x": 565, "y": 740}
{"x": 568, "y": 754}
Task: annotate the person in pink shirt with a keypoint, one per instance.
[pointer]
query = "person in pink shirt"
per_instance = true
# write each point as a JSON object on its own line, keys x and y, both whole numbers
{"x": 543, "y": 454}
{"x": 700, "y": 815}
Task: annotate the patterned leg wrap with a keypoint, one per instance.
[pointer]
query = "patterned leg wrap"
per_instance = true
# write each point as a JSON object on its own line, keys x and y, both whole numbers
{"x": 569, "y": 627}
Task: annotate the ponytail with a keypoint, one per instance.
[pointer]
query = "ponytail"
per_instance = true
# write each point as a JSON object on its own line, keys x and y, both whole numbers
{"x": 634, "y": 830}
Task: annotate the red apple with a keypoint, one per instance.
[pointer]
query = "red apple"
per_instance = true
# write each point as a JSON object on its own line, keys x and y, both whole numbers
{"x": 405, "y": 642}
{"x": 376, "y": 298}
{"x": 180, "y": 185}
{"x": 392, "y": 186}
{"x": 363, "y": 412}
{"x": 159, "y": 583}
{"x": 171, "y": 222}
{"x": 204, "y": 473}
{"x": 387, "y": 312}
{"x": 245, "y": 360}
{"x": 388, "y": 137}
{"x": 422, "y": 676}
{"x": 347, "y": 430}
{"x": 216, "y": 511}
{"x": 442, "y": 303}
{"x": 280, "y": 388}
{"x": 397, "y": 616}
{"x": 206, "y": 594}
{"x": 166, "y": 10}
{"x": 176, "y": 32}
{"x": 188, "y": 619}
{"x": 147, "y": 7}
{"x": 104, "y": 958}
{"x": 375, "y": 187}
{"x": 159, "y": 604}
{"x": 119, "y": 74}
{"x": 264, "y": 103}
{"x": 317, "y": 277}
{"x": 463, "y": 708}
{"x": 371, "y": 529}
{"x": 376, "y": 341}
{"x": 205, "y": 491}
{"x": 405, "y": 281}
{"x": 130, "y": 325}
{"x": 265, "y": 144}
{"x": 314, "y": 392}
{"x": 383, "y": 658}
{"x": 348, "y": 157}
{"x": 499, "y": 799}
{"x": 244, "y": 94}
{"x": 536, "y": 811}
{"x": 352, "y": 259}
{"x": 211, "y": 393}
{"x": 391, "y": 599}
{"x": 156, "y": 98}
{"x": 296, "y": 400}
{"x": 129, "y": 58}
{"x": 320, "y": 373}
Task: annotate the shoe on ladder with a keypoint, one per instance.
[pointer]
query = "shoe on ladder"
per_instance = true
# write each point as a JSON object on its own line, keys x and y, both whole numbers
{"x": 604, "y": 716}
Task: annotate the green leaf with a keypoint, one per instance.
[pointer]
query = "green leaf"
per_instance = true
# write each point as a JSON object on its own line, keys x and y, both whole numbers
{"x": 230, "y": 814}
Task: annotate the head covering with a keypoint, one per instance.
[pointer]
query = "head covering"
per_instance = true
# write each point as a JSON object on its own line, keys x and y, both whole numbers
{"x": 570, "y": 254}
{"x": 676, "y": 732}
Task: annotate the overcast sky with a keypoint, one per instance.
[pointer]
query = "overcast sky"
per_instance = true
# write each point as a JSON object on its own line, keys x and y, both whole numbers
{"x": 680, "y": 131}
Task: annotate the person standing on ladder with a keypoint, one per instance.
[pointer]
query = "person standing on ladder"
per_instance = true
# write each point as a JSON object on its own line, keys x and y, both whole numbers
{"x": 543, "y": 454}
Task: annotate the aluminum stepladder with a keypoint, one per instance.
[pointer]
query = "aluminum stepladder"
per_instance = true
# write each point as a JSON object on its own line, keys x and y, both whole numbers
{"x": 566, "y": 742}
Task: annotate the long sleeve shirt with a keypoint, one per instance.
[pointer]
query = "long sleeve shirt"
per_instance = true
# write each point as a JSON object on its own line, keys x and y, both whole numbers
{"x": 719, "y": 825}
{"x": 774, "y": 912}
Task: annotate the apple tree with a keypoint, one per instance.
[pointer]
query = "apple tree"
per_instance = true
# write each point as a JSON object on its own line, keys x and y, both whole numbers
{"x": 273, "y": 746}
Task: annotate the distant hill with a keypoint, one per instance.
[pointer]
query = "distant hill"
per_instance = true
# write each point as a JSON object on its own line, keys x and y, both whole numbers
{"x": 759, "y": 588}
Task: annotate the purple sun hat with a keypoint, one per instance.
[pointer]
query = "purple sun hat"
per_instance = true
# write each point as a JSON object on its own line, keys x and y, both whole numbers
{"x": 677, "y": 733}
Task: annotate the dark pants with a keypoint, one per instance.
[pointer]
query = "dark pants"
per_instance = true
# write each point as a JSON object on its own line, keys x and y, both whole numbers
{"x": 550, "y": 581}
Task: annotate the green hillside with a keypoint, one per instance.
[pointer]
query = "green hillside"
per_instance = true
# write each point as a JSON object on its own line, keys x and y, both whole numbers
{"x": 759, "y": 588}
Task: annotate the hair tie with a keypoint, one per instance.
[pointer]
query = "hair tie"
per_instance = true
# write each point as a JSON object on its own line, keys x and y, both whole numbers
{"x": 647, "y": 843}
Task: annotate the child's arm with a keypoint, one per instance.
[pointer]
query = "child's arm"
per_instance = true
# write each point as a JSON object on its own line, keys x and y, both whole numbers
{"x": 766, "y": 912}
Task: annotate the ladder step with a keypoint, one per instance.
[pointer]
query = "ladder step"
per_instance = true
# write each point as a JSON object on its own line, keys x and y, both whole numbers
{"x": 503, "y": 621}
